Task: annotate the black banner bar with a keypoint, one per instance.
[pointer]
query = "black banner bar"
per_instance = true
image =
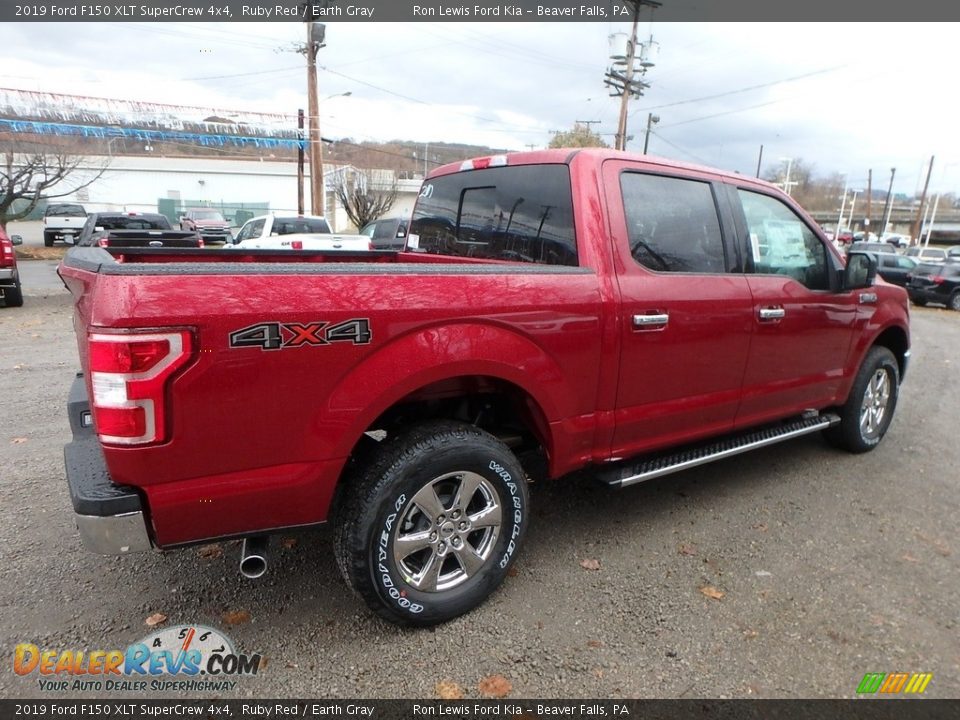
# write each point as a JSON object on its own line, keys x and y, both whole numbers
{"x": 469, "y": 11}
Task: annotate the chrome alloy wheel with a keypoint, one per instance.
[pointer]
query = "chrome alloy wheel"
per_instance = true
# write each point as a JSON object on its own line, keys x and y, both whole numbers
{"x": 447, "y": 532}
{"x": 873, "y": 409}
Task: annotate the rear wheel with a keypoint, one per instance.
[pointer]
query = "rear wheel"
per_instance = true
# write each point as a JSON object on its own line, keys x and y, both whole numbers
{"x": 954, "y": 302}
{"x": 429, "y": 527}
{"x": 918, "y": 301}
{"x": 13, "y": 297}
{"x": 866, "y": 416}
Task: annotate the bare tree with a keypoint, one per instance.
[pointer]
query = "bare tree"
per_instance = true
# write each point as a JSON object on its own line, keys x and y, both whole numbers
{"x": 362, "y": 202}
{"x": 580, "y": 136}
{"x": 28, "y": 175}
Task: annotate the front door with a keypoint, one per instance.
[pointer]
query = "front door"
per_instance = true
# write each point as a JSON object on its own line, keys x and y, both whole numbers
{"x": 803, "y": 326}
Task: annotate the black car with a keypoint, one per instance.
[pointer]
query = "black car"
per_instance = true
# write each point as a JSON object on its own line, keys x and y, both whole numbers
{"x": 895, "y": 268}
{"x": 114, "y": 229}
{"x": 387, "y": 233}
{"x": 935, "y": 283}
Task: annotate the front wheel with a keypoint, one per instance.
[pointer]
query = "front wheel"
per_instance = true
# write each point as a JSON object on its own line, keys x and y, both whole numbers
{"x": 866, "y": 416}
{"x": 48, "y": 239}
{"x": 430, "y": 526}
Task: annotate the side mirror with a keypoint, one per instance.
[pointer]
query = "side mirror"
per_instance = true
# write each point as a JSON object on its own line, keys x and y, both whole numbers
{"x": 860, "y": 272}
{"x": 16, "y": 239}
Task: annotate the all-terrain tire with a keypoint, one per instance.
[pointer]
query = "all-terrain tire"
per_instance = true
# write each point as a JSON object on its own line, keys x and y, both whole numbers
{"x": 13, "y": 297}
{"x": 428, "y": 525}
{"x": 868, "y": 411}
{"x": 48, "y": 239}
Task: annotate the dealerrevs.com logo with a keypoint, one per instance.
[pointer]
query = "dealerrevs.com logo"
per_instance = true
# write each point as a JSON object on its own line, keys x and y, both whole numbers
{"x": 183, "y": 658}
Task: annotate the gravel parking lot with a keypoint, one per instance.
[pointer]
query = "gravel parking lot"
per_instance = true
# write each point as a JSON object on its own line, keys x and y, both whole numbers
{"x": 822, "y": 566}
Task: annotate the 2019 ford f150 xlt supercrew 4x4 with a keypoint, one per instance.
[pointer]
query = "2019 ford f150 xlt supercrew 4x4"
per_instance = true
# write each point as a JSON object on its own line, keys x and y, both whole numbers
{"x": 588, "y": 308}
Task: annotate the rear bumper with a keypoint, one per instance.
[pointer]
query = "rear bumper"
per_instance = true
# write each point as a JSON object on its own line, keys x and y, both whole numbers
{"x": 109, "y": 517}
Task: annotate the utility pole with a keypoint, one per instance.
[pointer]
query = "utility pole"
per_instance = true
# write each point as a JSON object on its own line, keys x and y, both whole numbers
{"x": 760, "y": 160}
{"x": 624, "y": 83}
{"x": 915, "y": 230}
{"x": 866, "y": 220}
{"x": 933, "y": 219}
{"x": 315, "y": 37}
{"x": 651, "y": 119}
{"x": 300, "y": 161}
{"x": 888, "y": 204}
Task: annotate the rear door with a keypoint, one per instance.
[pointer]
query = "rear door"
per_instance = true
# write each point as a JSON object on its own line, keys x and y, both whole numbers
{"x": 685, "y": 312}
{"x": 803, "y": 325}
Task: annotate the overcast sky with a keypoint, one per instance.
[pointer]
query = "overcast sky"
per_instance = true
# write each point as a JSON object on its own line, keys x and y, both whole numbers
{"x": 844, "y": 97}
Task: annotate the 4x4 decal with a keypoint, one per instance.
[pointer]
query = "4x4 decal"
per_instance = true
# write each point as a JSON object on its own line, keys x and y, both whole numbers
{"x": 277, "y": 336}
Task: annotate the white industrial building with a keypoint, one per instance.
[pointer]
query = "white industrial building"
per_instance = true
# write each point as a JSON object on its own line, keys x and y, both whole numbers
{"x": 142, "y": 183}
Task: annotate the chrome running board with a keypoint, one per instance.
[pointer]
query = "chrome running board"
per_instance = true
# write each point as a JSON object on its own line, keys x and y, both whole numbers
{"x": 649, "y": 468}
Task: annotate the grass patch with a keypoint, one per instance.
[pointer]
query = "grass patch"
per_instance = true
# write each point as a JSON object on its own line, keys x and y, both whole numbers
{"x": 40, "y": 253}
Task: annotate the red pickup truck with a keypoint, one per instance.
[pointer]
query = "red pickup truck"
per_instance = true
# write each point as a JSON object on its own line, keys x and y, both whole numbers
{"x": 580, "y": 307}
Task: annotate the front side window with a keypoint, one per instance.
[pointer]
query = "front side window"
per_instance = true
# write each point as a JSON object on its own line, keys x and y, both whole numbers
{"x": 672, "y": 224}
{"x": 781, "y": 243}
{"x": 518, "y": 214}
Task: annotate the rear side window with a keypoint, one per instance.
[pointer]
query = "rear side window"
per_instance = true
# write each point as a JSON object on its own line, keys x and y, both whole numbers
{"x": 518, "y": 214}
{"x": 672, "y": 224}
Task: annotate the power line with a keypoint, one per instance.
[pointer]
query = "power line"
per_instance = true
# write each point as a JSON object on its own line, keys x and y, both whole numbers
{"x": 746, "y": 89}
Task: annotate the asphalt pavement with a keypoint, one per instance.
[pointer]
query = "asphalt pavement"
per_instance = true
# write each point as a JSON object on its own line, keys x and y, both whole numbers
{"x": 788, "y": 572}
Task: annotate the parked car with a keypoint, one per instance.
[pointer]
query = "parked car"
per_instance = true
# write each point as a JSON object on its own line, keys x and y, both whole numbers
{"x": 872, "y": 247}
{"x": 387, "y": 233}
{"x": 926, "y": 254}
{"x": 9, "y": 274}
{"x": 844, "y": 237}
{"x": 898, "y": 241}
{"x": 209, "y": 223}
{"x": 935, "y": 283}
{"x": 591, "y": 308}
{"x": 263, "y": 226}
{"x": 894, "y": 268}
{"x": 113, "y": 229}
{"x": 953, "y": 253}
{"x": 62, "y": 221}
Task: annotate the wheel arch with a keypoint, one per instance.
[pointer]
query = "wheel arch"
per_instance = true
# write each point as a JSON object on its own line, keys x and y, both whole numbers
{"x": 437, "y": 373}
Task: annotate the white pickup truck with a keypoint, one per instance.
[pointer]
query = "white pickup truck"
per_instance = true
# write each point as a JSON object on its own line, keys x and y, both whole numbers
{"x": 63, "y": 221}
{"x": 295, "y": 232}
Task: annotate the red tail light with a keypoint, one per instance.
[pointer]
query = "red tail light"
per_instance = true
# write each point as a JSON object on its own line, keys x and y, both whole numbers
{"x": 296, "y": 244}
{"x": 937, "y": 280}
{"x": 103, "y": 242}
{"x": 128, "y": 374}
{"x": 199, "y": 242}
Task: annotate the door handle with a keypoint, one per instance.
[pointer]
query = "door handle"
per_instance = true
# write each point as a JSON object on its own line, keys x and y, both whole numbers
{"x": 772, "y": 313}
{"x": 650, "y": 322}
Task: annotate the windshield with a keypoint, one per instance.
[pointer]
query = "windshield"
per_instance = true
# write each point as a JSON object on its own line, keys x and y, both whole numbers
{"x": 120, "y": 222}
{"x": 207, "y": 215}
{"x": 291, "y": 225}
{"x": 61, "y": 210}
